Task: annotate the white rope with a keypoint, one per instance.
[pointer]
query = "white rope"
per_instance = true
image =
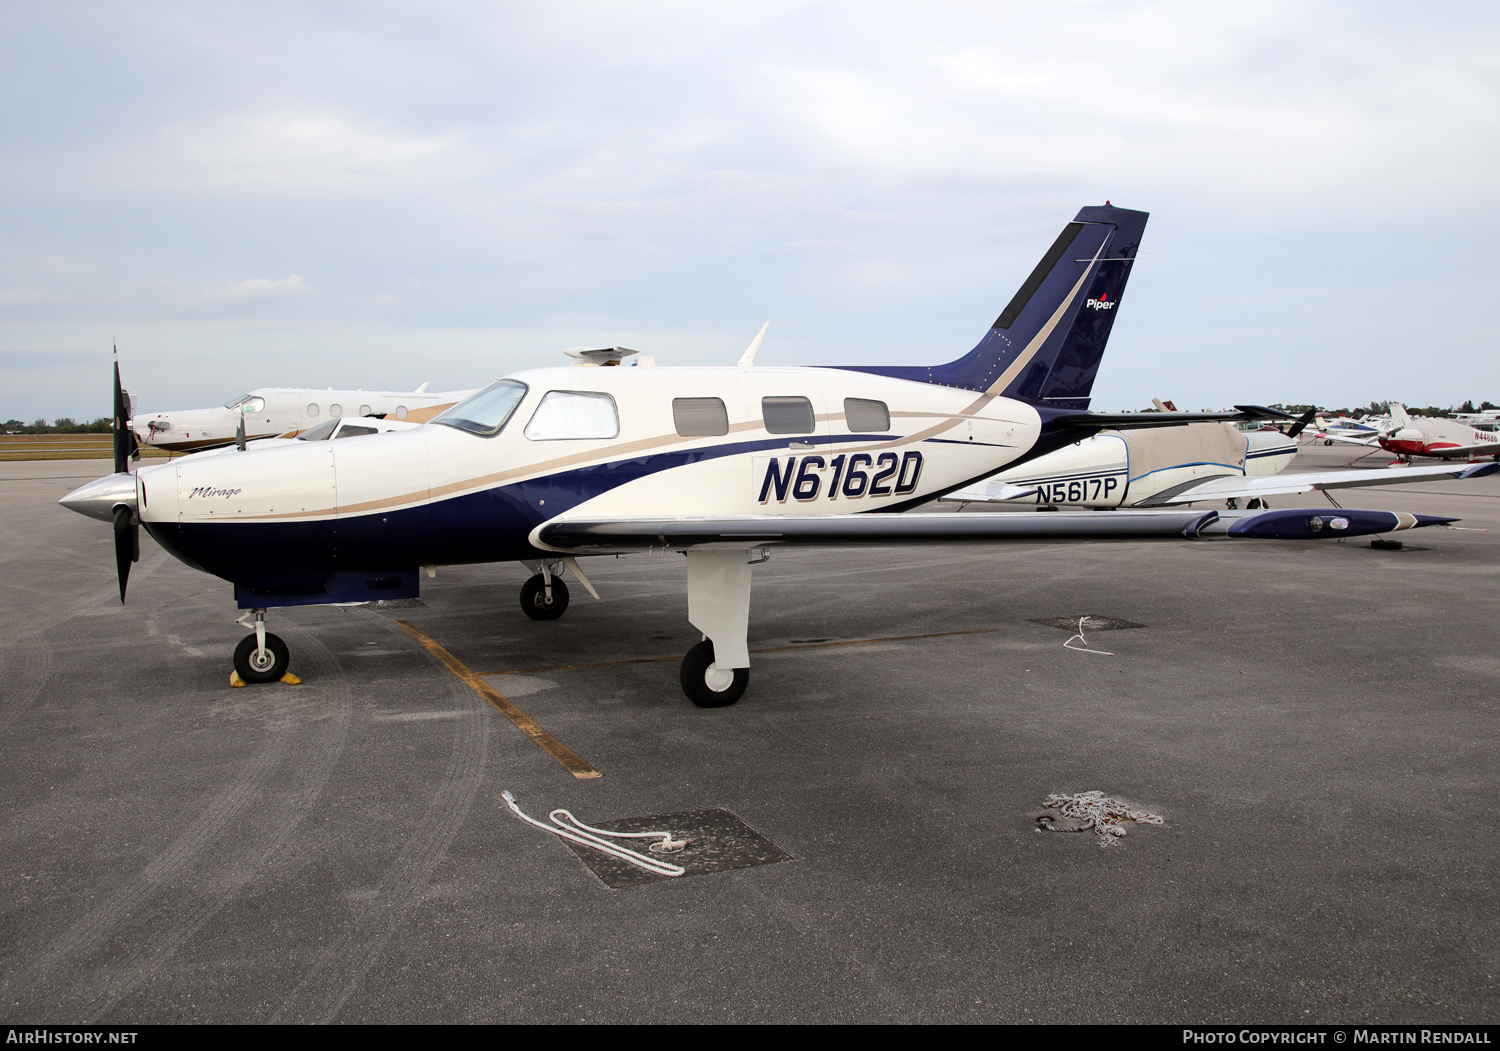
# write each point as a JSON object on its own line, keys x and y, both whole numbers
{"x": 1097, "y": 811}
{"x": 570, "y": 828}
{"x": 1085, "y": 647}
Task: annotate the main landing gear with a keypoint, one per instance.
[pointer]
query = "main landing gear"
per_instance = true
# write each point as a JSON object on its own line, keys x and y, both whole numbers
{"x": 715, "y": 672}
{"x": 260, "y": 656}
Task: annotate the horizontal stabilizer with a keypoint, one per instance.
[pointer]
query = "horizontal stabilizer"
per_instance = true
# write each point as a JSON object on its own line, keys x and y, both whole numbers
{"x": 1238, "y": 486}
{"x": 1118, "y": 421}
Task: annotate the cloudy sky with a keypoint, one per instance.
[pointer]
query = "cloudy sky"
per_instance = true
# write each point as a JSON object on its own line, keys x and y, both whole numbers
{"x": 377, "y": 195}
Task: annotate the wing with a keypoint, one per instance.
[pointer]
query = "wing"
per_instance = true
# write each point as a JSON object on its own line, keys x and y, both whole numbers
{"x": 1371, "y": 442}
{"x": 1234, "y": 486}
{"x": 607, "y": 536}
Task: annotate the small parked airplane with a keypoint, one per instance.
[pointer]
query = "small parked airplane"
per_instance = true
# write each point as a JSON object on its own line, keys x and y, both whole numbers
{"x": 1408, "y": 436}
{"x": 283, "y": 412}
{"x": 548, "y": 465}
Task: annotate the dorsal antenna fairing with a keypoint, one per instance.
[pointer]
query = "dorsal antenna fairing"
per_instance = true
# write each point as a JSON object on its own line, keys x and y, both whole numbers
{"x": 747, "y": 359}
{"x": 598, "y": 355}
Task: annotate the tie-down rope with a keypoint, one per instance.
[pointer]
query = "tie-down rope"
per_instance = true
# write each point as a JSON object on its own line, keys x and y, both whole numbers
{"x": 1085, "y": 647}
{"x": 570, "y": 828}
{"x": 1097, "y": 811}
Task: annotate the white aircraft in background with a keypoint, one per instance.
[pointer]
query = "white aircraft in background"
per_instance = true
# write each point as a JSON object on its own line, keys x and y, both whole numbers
{"x": 283, "y": 412}
{"x": 1408, "y": 436}
{"x": 328, "y": 430}
{"x": 546, "y": 466}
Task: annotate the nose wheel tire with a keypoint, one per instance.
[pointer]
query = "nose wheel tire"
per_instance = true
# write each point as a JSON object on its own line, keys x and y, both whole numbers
{"x": 536, "y": 604}
{"x": 254, "y": 666}
{"x": 708, "y": 686}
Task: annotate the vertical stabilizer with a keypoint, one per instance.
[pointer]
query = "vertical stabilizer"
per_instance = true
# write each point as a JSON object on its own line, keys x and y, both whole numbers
{"x": 1046, "y": 345}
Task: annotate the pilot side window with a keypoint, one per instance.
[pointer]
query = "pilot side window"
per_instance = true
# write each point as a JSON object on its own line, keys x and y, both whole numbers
{"x": 350, "y": 430}
{"x": 700, "y": 417}
{"x": 862, "y": 415}
{"x": 573, "y": 414}
{"x": 788, "y": 415}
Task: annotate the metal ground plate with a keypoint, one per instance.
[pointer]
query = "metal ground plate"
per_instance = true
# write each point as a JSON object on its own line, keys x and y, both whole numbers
{"x": 717, "y": 841}
{"x": 1090, "y": 623}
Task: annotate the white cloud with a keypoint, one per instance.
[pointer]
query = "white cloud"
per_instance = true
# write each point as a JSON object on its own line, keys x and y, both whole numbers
{"x": 256, "y": 288}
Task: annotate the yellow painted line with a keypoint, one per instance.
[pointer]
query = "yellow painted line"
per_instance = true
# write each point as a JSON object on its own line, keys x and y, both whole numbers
{"x": 767, "y": 649}
{"x": 549, "y": 744}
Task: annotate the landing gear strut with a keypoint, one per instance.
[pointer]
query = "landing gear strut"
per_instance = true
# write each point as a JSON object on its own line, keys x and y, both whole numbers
{"x": 716, "y": 671}
{"x": 260, "y": 656}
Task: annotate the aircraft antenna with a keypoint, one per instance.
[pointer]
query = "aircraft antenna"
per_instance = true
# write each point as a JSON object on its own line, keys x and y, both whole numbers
{"x": 747, "y": 359}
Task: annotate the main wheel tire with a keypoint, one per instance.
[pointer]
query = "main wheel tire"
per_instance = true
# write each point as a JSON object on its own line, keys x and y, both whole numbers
{"x": 534, "y": 599}
{"x": 695, "y": 679}
{"x": 257, "y": 667}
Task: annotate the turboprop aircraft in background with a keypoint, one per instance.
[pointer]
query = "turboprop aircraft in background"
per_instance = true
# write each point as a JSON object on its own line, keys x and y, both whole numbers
{"x": 1408, "y": 436}
{"x": 283, "y": 412}
{"x": 548, "y": 465}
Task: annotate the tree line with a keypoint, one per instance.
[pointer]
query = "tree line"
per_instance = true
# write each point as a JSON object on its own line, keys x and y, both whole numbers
{"x": 61, "y": 425}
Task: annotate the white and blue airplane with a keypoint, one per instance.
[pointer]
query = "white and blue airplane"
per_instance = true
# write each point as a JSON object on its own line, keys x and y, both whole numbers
{"x": 548, "y": 465}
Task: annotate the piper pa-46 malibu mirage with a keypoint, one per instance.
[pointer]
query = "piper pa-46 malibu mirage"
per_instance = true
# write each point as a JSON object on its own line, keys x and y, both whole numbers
{"x": 723, "y": 464}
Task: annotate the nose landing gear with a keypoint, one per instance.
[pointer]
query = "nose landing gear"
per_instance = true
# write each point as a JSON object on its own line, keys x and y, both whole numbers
{"x": 544, "y": 596}
{"x": 260, "y": 656}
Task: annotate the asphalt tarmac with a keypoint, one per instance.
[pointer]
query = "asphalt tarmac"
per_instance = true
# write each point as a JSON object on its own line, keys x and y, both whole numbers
{"x": 1316, "y": 723}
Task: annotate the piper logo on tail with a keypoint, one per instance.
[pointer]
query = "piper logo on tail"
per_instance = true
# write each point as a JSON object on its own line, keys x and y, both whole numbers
{"x": 1102, "y": 303}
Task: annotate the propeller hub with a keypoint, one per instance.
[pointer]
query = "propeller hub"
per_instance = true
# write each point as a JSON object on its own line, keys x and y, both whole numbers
{"x": 99, "y": 498}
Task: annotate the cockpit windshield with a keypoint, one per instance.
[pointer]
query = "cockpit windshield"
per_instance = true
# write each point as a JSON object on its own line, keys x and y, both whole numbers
{"x": 487, "y": 412}
{"x": 237, "y": 402}
{"x": 247, "y": 403}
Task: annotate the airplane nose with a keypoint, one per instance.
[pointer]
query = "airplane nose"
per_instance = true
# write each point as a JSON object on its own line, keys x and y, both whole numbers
{"x": 99, "y": 498}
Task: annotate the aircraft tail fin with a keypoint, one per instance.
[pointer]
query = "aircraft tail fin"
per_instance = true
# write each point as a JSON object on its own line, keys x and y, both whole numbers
{"x": 1399, "y": 416}
{"x": 1046, "y": 345}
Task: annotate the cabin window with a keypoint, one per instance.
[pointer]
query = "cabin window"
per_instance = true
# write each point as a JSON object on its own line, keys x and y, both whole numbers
{"x": 700, "y": 417}
{"x": 789, "y": 415}
{"x": 312, "y": 410}
{"x": 335, "y": 409}
{"x": 862, "y": 414}
{"x": 565, "y": 414}
{"x": 364, "y": 410}
{"x": 354, "y": 430}
{"x": 485, "y": 413}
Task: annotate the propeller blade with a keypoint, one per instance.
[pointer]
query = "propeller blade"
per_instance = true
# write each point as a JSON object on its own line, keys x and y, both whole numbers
{"x": 127, "y": 546}
{"x": 125, "y": 444}
{"x": 1301, "y": 424}
{"x": 239, "y": 434}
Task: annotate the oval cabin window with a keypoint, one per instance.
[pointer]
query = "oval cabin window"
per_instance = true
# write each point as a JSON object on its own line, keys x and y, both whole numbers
{"x": 863, "y": 414}
{"x": 700, "y": 417}
{"x": 788, "y": 415}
